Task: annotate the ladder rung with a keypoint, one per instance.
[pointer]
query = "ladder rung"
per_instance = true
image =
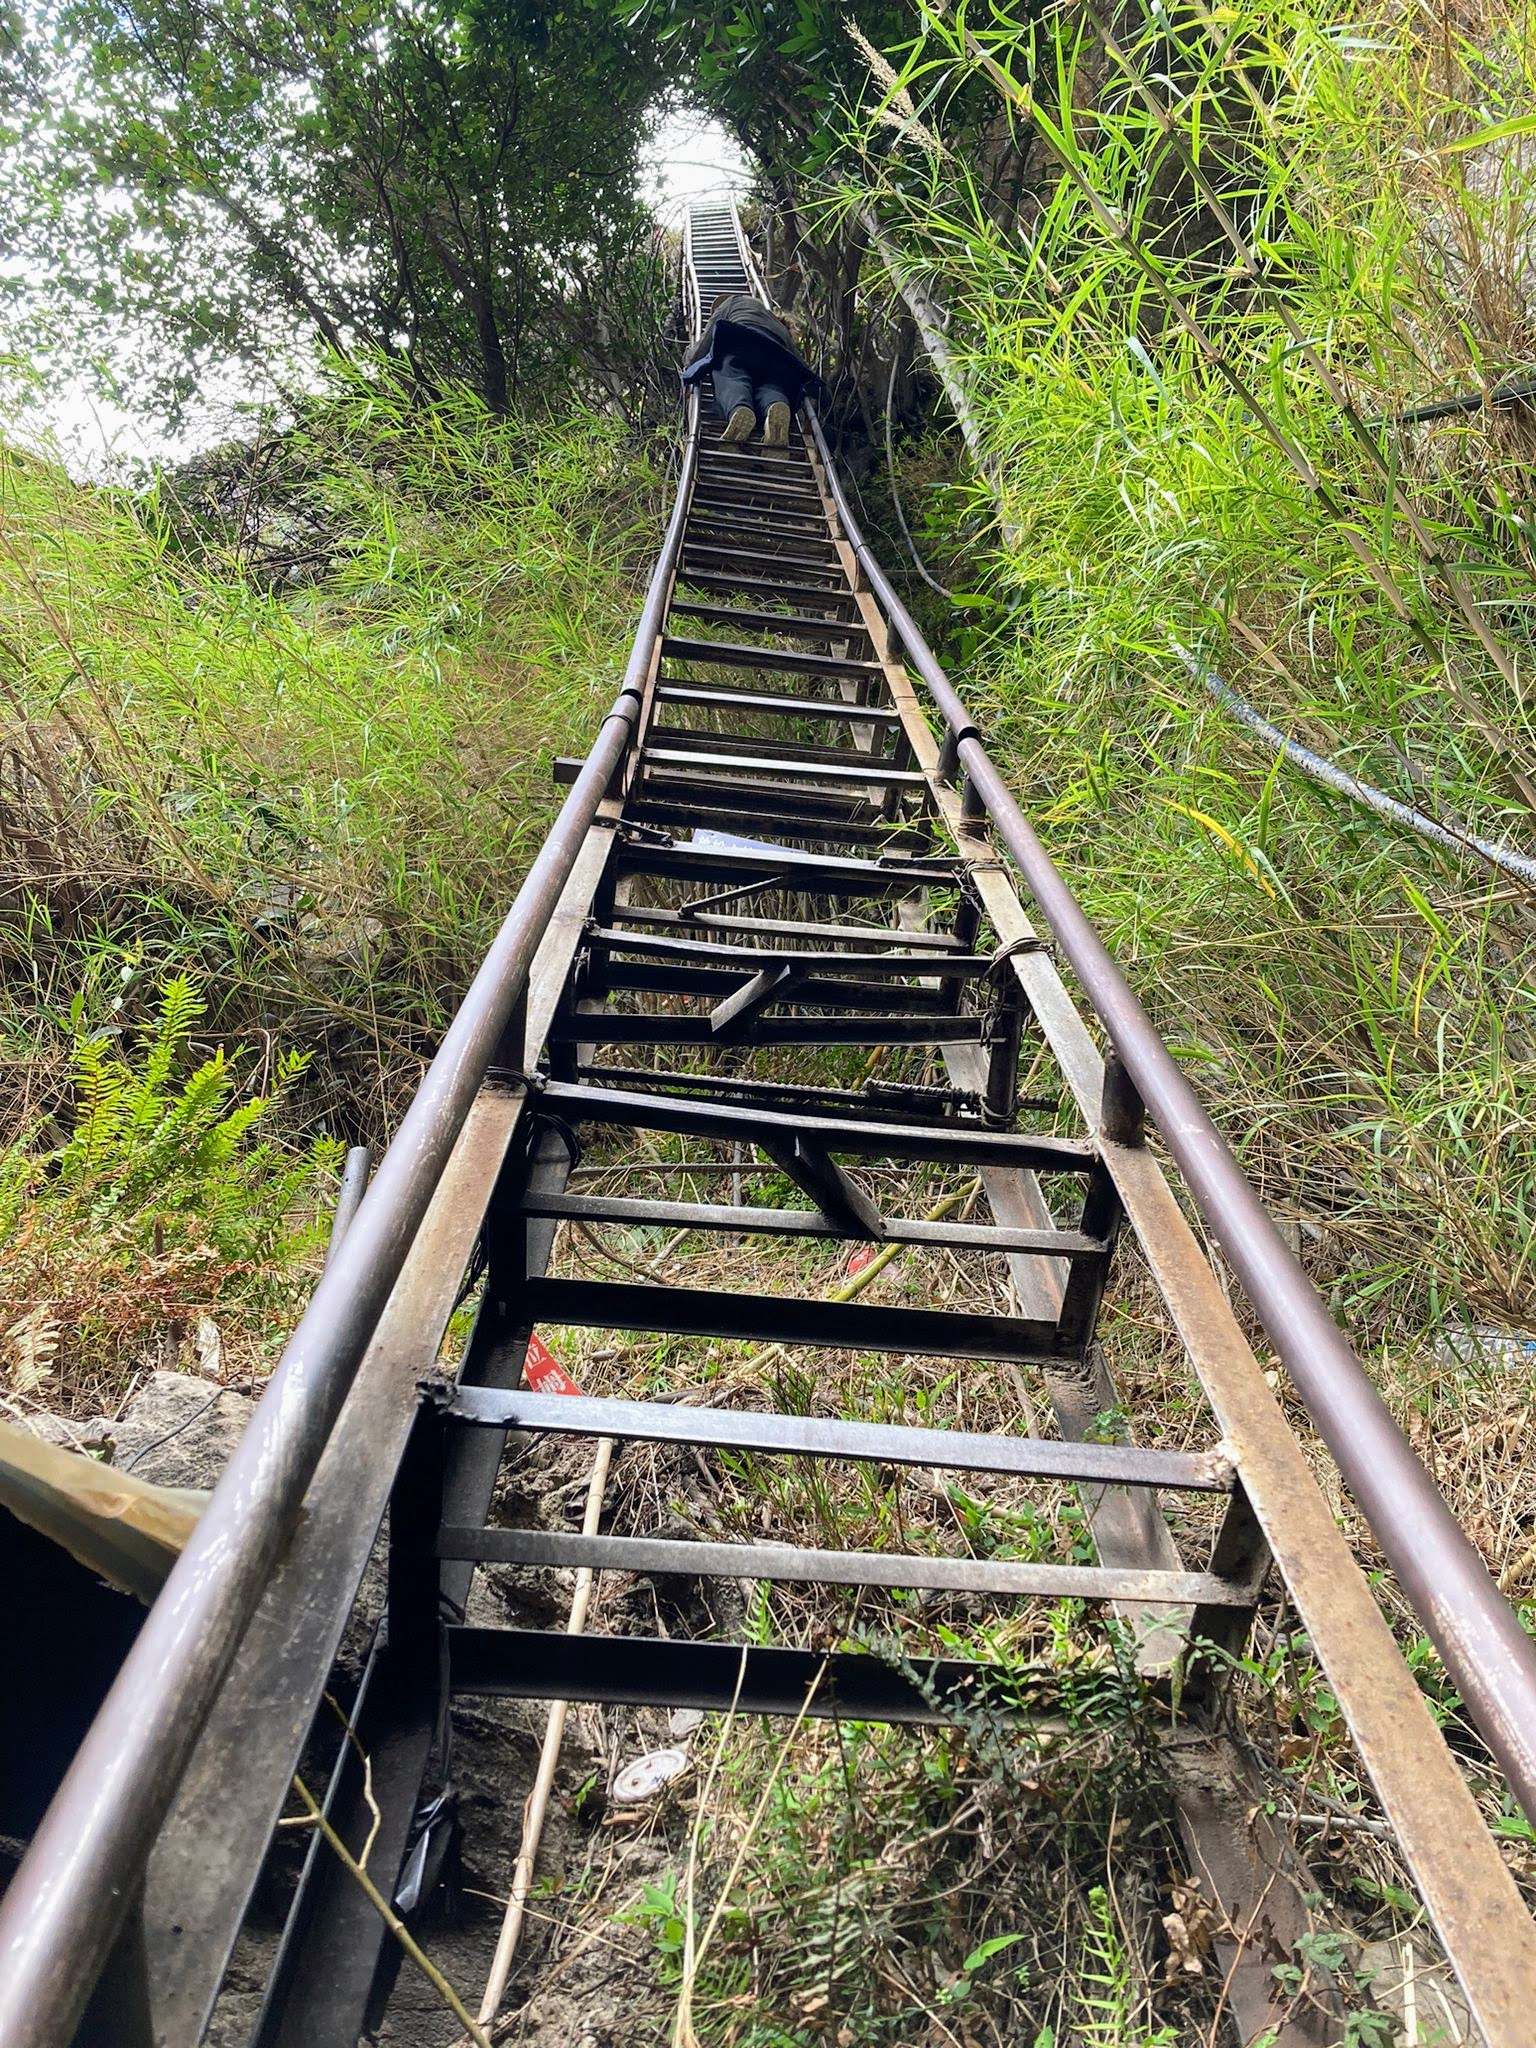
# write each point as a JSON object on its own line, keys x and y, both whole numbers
{"x": 767, "y": 748}
{"x": 752, "y": 1222}
{"x": 715, "y": 549}
{"x": 807, "y": 877}
{"x": 831, "y": 814}
{"x": 891, "y": 1100}
{"x": 577, "y": 1105}
{"x": 683, "y": 804}
{"x": 718, "y": 697}
{"x": 815, "y": 1436}
{"x": 788, "y": 1319}
{"x": 720, "y": 461}
{"x": 733, "y": 525}
{"x": 791, "y": 465}
{"x": 812, "y": 961}
{"x": 784, "y": 767}
{"x": 770, "y": 504}
{"x": 789, "y": 1564}
{"x": 772, "y": 622}
{"x": 694, "y": 770}
{"x": 718, "y": 485}
{"x": 640, "y": 1671}
{"x": 767, "y": 586}
{"x": 745, "y": 654}
{"x": 740, "y": 543}
{"x": 854, "y": 1027}
{"x": 717, "y": 979}
{"x": 940, "y": 943}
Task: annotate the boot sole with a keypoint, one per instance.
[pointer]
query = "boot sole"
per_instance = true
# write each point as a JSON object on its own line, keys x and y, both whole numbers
{"x": 776, "y": 427}
{"x": 740, "y": 426}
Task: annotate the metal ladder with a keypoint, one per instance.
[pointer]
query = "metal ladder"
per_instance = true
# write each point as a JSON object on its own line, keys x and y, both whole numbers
{"x": 768, "y": 860}
{"x": 787, "y": 870}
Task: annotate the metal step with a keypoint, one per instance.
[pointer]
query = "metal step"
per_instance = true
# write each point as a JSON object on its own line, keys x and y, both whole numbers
{"x": 789, "y": 660}
{"x": 756, "y": 872}
{"x": 686, "y": 803}
{"x": 718, "y": 697}
{"x": 786, "y": 765}
{"x": 747, "y": 1221}
{"x": 698, "y": 978}
{"x": 775, "y": 745}
{"x": 772, "y": 622}
{"x": 744, "y": 494}
{"x": 790, "y": 466}
{"x": 763, "y": 587}
{"x": 738, "y": 516}
{"x": 742, "y": 1678}
{"x": 789, "y": 1564}
{"x": 818, "y": 1436}
{"x": 788, "y": 1319}
{"x": 775, "y": 537}
{"x": 652, "y": 917}
{"x": 753, "y": 466}
{"x": 825, "y": 961}
{"x": 848, "y": 1136}
{"x": 715, "y": 550}
{"x": 614, "y": 1027}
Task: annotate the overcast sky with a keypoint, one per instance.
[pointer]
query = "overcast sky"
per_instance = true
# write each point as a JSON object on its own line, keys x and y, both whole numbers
{"x": 689, "y": 156}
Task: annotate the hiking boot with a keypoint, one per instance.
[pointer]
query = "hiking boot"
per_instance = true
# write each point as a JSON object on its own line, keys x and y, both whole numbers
{"x": 741, "y": 425}
{"x": 776, "y": 426}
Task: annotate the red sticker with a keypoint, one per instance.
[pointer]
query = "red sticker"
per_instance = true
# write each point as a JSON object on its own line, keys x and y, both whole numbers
{"x": 543, "y": 1372}
{"x": 861, "y": 1258}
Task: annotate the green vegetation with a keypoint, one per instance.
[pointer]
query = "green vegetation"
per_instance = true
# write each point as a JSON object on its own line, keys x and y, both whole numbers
{"x": 165, "y": 1214}
{"x": 312, "y": 796}
{"x": 1244, "y": 236}
{"x": 455, "y": 188}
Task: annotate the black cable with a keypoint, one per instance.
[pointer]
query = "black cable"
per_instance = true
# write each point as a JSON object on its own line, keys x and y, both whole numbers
{"x": 1522, "y": 393}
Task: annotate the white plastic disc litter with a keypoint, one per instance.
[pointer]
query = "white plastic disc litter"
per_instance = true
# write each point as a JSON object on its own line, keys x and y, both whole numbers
{"x": 646, "y": 1776}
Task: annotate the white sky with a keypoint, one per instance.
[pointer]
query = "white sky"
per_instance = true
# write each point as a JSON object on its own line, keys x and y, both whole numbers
{"x": 689, "y": 155}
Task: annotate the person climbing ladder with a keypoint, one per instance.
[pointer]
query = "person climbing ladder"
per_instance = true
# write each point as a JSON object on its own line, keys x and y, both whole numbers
{"x": 759, "y": 376}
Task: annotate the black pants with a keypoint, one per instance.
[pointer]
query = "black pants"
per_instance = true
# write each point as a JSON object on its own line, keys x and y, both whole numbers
{"x": 756, "y": 379}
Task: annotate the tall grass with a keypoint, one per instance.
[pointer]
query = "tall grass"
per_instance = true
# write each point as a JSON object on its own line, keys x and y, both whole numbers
{"x": 1247, "y": 233}
{"x": 319, "y": 793}
{"x": 284, "y": 727}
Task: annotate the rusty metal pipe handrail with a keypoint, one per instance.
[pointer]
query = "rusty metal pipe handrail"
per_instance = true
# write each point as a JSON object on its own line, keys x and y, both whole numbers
{"x": 67, "y": 1899}
{"x": 1487, "y": 1653}
{"x": 349, "y": 1196}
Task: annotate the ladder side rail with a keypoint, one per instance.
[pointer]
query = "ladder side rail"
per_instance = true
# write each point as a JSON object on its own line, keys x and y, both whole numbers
{"x": 1489, "y": 1656}
{"x": 1488, "y": 1934}
{"x": 63, "y": 1907}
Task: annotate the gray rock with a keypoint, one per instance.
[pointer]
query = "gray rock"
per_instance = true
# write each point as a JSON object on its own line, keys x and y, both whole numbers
{"x": 178, "y": 1430}
{"x": 89, "y": 1438}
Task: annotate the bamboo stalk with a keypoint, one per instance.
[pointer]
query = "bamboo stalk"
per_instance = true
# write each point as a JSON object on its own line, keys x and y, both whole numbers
{"x": 857, "y": 1282}
{"x": 537, "y": 1806}
{"x": 1434, "y": 559}
{"x": 392, "y": 1920}
{"x": 1021, "y": 98}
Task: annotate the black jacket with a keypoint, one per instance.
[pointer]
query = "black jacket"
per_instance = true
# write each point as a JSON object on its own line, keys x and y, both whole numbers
{"x": 740, "y": 318}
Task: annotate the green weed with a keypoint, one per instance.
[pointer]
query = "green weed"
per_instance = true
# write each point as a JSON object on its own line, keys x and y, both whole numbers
{"x": 169, "y": 1212}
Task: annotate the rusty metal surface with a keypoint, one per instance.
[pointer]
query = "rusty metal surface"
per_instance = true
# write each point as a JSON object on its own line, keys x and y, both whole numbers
{"x": 63, "y": 1907}
{"x": 1488, "y": 1654}
{"x": 799, "y": 1565}
{"x": 205, "y": 1862}
{"x": 1471, "y": 1897}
